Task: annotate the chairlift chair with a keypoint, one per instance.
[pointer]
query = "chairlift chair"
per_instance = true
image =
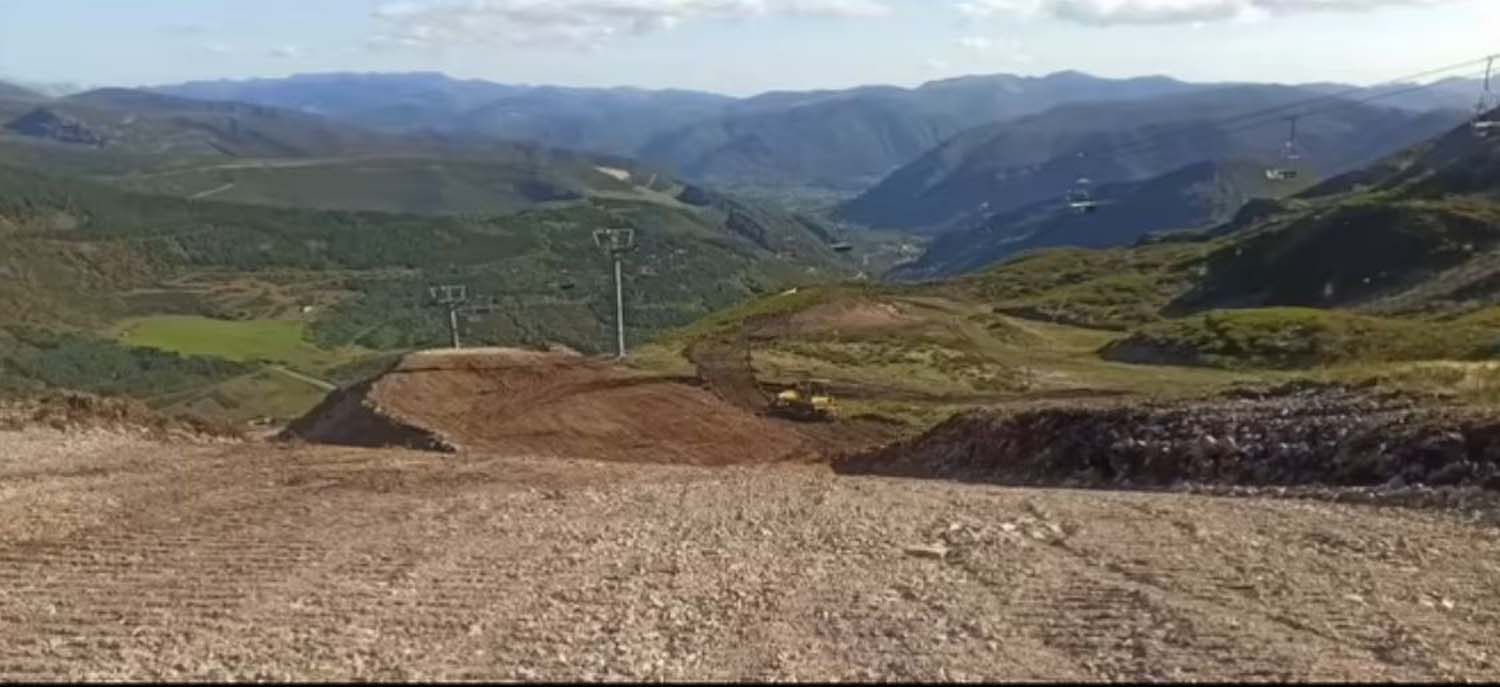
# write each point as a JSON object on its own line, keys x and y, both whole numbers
{"x": 839, "y": 241}
{"x": 1289, "y": 157}
{"x": 1080, "y": 199}
{"x": 1483, "y": 123}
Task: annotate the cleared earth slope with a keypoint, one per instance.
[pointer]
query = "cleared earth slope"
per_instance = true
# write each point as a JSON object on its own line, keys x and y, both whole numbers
{"x": 547, "y": 404}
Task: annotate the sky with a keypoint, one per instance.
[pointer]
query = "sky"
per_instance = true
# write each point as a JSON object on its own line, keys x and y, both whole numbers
{"x": 739, "y": 47}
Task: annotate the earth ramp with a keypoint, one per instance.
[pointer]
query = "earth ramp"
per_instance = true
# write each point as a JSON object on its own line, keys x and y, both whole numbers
{"x": 544, "y": 403}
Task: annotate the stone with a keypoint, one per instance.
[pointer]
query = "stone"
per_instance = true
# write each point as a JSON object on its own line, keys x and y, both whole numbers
{"x": 937, "y": 551}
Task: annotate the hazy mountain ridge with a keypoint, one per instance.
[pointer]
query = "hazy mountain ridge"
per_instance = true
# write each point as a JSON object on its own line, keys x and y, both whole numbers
{"x": 831, "y": 138}
{"x": 269, "y": 155}
{"x": 1008, "y": 165}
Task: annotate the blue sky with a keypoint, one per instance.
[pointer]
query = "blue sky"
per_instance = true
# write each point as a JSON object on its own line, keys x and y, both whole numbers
{"x": 738, "y": 46}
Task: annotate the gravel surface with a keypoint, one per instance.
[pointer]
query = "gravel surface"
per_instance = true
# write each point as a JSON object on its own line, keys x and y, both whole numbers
{"x": 123, "y": 558}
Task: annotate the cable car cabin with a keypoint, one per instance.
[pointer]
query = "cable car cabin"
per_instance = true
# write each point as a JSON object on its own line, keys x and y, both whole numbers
{"x": 1275, "y": 174}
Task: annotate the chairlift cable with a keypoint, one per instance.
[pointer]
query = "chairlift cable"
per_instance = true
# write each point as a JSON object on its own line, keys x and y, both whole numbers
{"x": 1336, "y": 100}
{"x": 1249, "y": 120}
{"x": 1200, "y": 128}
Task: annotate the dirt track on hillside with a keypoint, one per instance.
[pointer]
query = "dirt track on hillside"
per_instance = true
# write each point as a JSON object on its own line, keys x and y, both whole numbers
{"x": 126, "y": 559}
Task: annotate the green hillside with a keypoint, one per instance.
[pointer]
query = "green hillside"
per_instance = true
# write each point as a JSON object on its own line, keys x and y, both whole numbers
{"x": 1302, "y": 338}
{"x": 1392, "y": 280}
{"x": 415, "y": 185}
{"x": 321, "y": 288}
{"x": 1415, "y": 234}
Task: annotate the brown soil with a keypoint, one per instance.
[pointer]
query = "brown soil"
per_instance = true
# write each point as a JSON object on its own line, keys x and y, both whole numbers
{"x": 127, "y": 559}
{"x": 724, "y": 366}
{"x": 74, "y": 411}
{"x": 526, "y": 402}
{"x": 843, "y": 317}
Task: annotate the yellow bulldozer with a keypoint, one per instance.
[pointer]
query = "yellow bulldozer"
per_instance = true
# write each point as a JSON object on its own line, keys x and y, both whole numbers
{"x": 808, "y": 401}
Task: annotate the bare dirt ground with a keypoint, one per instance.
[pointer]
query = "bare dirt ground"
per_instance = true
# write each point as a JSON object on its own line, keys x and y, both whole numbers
{"x": 125, "y": 558}
{"x": 515, "y": 402}
{"x": 531, "y": 403}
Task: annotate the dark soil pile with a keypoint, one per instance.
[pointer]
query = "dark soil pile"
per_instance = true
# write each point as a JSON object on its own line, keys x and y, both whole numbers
{"x": 1300, "y": 434}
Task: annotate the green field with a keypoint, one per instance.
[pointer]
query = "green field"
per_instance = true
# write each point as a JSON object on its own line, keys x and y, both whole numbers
{"x": 279, "y": 342}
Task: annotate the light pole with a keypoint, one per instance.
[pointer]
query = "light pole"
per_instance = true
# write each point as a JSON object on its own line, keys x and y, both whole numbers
{"x": 616, "y": 242}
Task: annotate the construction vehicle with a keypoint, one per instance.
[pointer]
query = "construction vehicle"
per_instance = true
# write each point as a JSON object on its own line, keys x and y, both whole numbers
{"x": 806, "y": 402}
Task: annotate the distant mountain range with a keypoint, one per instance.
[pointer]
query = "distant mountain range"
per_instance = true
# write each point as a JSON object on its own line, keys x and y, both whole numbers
{"x": 1004, "y": 167}
{"x": 14, "y": 92}
{"x": 273, "y": 156}
{"x": 834, "y": 139}
{"x": 983, "y": 155}
{"x": 1197, "y": 195}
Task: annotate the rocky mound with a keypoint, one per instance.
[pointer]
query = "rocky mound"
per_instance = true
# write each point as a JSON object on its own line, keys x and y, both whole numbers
{"x": 1296, "y": 435}
{"x": 526, "y": 402}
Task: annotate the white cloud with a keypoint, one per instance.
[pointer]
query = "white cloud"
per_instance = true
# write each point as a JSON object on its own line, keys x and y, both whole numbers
{"x": 1112, "y": 12}
{"x": 218, "y": 48}
{"x": 286, "y": 52}
{"x": 573, "y": 23}
{"x": 976, "y": 43}
{"x": 1000, "y": 50}
{"x": 987, "y": 8}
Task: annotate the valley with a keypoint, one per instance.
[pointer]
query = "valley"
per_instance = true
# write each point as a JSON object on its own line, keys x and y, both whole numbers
{"x": 294, "y": 250}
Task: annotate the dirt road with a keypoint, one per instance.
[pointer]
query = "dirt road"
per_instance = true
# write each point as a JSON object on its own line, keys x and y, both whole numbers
{"x": 121, "y": 558}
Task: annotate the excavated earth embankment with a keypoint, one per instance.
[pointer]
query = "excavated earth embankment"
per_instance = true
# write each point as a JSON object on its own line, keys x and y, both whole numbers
{"x": 532, "y": 403}
{"x": 1296, "y": 435}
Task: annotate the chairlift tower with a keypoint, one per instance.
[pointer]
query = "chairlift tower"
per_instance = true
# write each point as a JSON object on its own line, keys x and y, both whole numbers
{"x": 616, "y": 242}
{"x": 452, "y": 297}
{"x": 455, "y": 298}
